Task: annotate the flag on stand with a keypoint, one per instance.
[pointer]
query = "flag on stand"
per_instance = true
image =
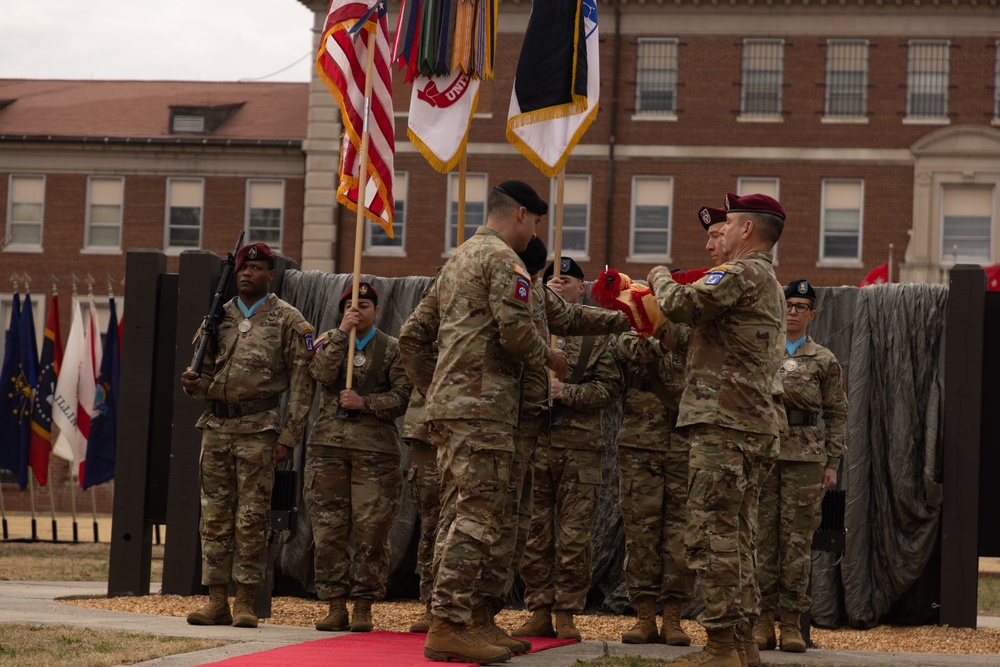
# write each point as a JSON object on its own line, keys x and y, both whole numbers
{"x": 74, "y": 401}
{"x": 441, "y": 110}
{"x": 878, "y": 276}
{"x": 557, "y": 85}
{"x": 992, "y": 278}
{"x": 15, "y": 394}
{"x": 103, "y": 437}
{"x": 41, "y": 413}
{"x": 340, "y": 64}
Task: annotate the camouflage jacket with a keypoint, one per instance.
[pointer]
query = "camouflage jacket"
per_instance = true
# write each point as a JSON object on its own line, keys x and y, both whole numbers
{"x": 645, "y": 420}
{"x": 269, "y": 358}
{"x": 376, "y": 430}
{"x": 584, "y": 402}
{"x": 737, "y": 312}
{"x": 813, "y": 382}
{"x": 478, "y": 311}
{"x": 415, "y": 419}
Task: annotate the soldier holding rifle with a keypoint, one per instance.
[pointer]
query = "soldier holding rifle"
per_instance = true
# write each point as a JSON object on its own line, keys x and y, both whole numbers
{"x": 262, "y": 348}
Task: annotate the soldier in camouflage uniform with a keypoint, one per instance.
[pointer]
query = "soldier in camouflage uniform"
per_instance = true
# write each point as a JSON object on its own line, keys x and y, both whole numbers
{"x": 478, "y": 312}
{"x": 556, "y": 565}
{"x": 263, "y": 349}
{"x": 425, "y": 488}
{"x": 653, "y": 476}
{"x": 353, "y": 478}
{"x": 791, "y": 498}
{"x": 728, "y": 404}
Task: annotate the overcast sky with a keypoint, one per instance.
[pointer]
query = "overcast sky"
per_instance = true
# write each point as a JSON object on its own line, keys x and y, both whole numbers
{"x": 191, "y": 40}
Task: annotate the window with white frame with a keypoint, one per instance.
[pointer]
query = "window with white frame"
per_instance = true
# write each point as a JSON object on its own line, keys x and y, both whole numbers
{"x": 842, "y": 218}
{"x": 966, "y": 223}
{"x": 846, "y": 78}
{"x": 760, "y": 186}
{"x": 576, "y": 216}
{"x": 656, "y": 77}
{"x": 375, "y": 237}
{"x": 475, "y": 207}
{"x": 105, "y": 200}
{"x": 185, "y": 198}
{"x": 763, "y": 67}
{"x": 927, "y": 68}
{"x": 25, "y": 209}
{"x": 652, "y": 197}
{"x": 265, "y": 212}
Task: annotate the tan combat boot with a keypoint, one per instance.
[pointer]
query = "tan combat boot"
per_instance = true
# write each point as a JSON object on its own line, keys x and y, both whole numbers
{"x": 243, "y": 616}
{"x": 644, "y": 630}
{"x": 763, "y": 632}
{"x": 720, "y": 651}
{"x": 423, "y": 624}
{"x": 448, "y": 641}
{"x": 484, "y": 623}
{"x": 216, "y": 610}
{"x": 539, "y": 625}
{"x": 791, "y": 635}
{"x": 361, "y": 618}
{"x": 745, "y": 638}
{"x": 565, "y": 629}
{"x": 335, "y": 619}
{"x": 672, "y": 633}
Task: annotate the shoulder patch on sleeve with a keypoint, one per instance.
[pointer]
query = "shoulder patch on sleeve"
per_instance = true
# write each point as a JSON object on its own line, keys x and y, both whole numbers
{"x": 521, "y": 271}
{"x": 714, "y": 277}
{"x": 522, "y": 288}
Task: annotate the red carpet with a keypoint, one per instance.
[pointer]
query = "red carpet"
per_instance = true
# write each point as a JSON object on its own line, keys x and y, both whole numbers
{"x": 368, "y": 649}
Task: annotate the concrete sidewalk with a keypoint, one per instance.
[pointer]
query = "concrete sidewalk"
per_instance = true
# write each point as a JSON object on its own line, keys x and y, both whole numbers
{"x": 35, "y": 602}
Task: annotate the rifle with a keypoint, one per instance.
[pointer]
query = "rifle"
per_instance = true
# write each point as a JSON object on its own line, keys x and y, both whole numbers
{"x": 210, "y": 328}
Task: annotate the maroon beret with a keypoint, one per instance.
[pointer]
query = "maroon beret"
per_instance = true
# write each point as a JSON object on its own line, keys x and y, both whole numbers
{"x": 365, "y": 291}
{"x": 754, "y": 204}
{"x": 710, "y": 216}
{"x": 252, "y": 252}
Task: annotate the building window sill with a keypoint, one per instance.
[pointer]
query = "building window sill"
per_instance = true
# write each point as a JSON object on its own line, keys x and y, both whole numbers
{"x": 909, "y": 120}
{"x": 760, "y": 119}
{"x": 100, "y": 251}
{"x": 384, "y": 252}
{"x": 840, "y": 264}
{"x": 655, "y": 117}
{"x": 649, "y": 259}
{"x": 844, "y": 120}
{"x": 26, "y": 249}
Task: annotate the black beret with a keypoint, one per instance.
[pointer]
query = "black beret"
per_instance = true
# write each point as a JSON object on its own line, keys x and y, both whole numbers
{"x": 567, "y": 267}
{"x": 534, "y": 255}
{"x": 524, "y": 195}
{"x": 800, "y": 288}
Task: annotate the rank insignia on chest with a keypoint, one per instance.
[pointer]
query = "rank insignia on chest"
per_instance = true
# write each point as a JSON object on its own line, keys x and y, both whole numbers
{"x": 522, "y": 288}
{"x": 714, "y": 276}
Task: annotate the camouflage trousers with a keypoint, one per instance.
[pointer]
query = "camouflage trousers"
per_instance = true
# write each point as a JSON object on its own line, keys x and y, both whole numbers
{"x": 721, "y": 507}
{"x": 236, "y": 477}
{"x": 556, "y": 565}
{"x": 653, "y": 502}
{"x": 351, "y": 495}
{"x": 791, "y": 502}
{"x": 531, "y": 431}
{"x": 474, "y": 460}
{"x": 425, "y": 489}
{"x": 760, "y": 471}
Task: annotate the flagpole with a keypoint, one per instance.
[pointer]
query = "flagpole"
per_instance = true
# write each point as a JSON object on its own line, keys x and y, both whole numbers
{"x": 557, "y": 246}
{"x": 889, "y": 278}
{"x": 3, "y": 513}
{"x": 359, "y": 228}
{"x": 52, "y": 496}
{"x": 31, "y": 500}
{"x": 72, "y": 497}
{"x": 460, "y": 232}
{"x": 93, "y": 510}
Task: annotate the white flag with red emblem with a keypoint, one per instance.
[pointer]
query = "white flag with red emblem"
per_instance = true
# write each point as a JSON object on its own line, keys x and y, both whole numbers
{"x": 441, "y": 110}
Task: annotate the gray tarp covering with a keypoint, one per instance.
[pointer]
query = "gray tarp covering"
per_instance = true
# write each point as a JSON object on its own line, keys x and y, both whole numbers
{"x": 889, "y": 340}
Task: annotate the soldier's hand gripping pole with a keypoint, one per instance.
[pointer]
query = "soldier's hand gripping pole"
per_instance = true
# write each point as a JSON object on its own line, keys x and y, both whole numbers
{"x": 210, "y": 327}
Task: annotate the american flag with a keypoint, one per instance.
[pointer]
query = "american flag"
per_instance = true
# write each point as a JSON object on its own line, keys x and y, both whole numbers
{"x": 343, "y": 52}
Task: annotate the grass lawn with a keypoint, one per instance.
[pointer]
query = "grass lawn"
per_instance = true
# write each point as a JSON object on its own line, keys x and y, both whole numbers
{"x": 45, "y": 561}
{"x": 61, "y": 646}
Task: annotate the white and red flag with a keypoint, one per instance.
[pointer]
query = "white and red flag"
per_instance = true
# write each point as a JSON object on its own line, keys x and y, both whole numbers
{"x": 441, "y": 109}
{"x": 340, "y": 63}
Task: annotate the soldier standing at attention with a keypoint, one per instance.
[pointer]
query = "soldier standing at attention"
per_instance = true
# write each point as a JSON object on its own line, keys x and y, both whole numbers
{"x": 728, "y": 403}
{"x": 353, "y": 478}
{"x": 791, "y": 499}
{"x": 653, "y": 476}
{"x": 263, "y": 349}
{"x": 556, "y": 565}
{"x": 478, "y": 312}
